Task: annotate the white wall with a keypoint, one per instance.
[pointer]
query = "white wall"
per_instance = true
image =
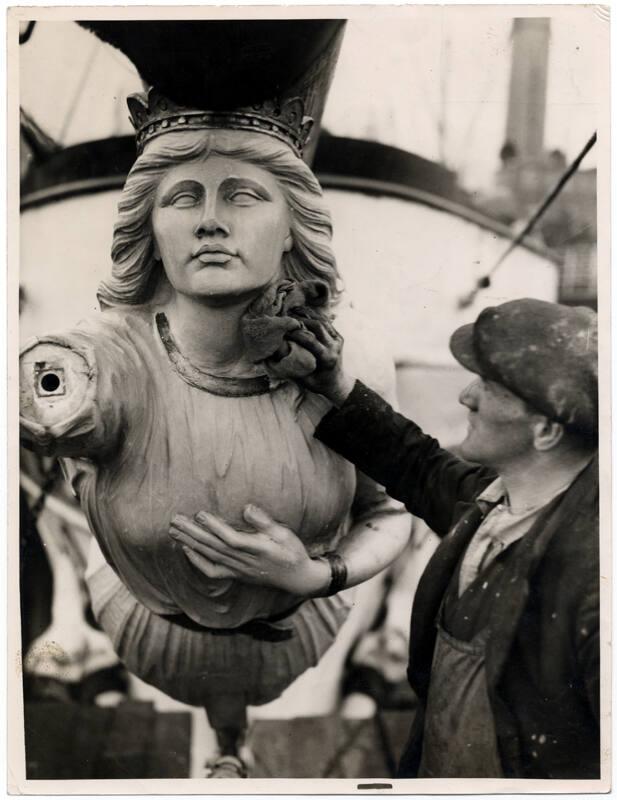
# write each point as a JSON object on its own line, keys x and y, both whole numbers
{"x": 407, "y": 265}
{"x": 404, "y": 264}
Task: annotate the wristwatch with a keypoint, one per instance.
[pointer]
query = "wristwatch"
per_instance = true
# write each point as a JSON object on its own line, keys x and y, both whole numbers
{"x": 338, "y": 573}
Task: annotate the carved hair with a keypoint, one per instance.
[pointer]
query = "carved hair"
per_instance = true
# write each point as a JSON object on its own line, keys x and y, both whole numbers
{"x": 136, "y": 274}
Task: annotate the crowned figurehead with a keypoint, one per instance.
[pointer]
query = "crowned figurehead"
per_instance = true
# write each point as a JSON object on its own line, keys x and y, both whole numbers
{"x": 165, "y": 403}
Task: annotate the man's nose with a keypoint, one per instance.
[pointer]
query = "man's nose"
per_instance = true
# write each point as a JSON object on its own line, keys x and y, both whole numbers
{"x": 469, "y": 396}
{"x": 211, "y": 220}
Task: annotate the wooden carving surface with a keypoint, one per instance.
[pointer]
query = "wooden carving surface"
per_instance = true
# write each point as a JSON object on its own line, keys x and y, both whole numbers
{"x": 162, "y": 445}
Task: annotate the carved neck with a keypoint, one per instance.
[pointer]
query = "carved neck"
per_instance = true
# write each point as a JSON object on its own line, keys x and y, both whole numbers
{"x": 209, "y": 336}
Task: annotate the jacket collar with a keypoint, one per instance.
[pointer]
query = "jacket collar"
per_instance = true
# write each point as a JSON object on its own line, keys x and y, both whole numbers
{"x": 508, "y": 608}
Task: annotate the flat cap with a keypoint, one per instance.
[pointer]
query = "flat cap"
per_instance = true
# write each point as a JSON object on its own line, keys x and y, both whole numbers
{"x": 545, "y": 353}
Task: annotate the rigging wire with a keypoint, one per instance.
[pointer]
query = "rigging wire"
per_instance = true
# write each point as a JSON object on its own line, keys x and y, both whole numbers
{"x": 468, "y": 137}
{"x": 442, "y": 122}
{"x": 485, "y": 281}
{"x": 430, "y": 102}
{"x": 68, "y": 118}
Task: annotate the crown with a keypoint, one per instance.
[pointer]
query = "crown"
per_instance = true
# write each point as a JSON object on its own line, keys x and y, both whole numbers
{"x": 153, "y": 115}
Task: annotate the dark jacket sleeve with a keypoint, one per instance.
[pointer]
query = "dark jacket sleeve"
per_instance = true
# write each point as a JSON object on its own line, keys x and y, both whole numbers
{"x": 396, "y": 453}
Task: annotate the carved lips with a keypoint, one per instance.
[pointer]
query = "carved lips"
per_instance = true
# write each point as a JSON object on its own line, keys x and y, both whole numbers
{"x": 214, "y": 254}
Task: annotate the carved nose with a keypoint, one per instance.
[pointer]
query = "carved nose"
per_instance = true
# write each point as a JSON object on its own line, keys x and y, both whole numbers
{"x": 210, "y": 227}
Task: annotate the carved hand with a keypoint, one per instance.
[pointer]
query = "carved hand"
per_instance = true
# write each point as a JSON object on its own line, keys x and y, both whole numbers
{"x": 271, "y": 555}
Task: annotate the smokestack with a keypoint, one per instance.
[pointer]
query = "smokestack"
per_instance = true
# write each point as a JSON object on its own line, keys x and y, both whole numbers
{"x": 528, "y": 78}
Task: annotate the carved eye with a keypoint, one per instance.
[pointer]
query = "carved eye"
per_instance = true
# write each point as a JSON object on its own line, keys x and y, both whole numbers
{"x": 244, "y": 197}
{"x": 185, "y": 200}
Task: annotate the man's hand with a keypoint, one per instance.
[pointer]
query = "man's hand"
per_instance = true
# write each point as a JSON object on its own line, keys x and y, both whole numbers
{"x": 325, "y": 344}
{"x": 272, "y": 555}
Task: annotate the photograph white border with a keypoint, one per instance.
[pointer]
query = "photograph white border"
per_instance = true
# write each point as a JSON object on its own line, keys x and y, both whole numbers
{"x": 17, "y": 782}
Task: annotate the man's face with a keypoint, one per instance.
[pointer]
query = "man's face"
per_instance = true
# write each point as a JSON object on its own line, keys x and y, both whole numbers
{"x": 500, "y": 424}
{"x": 221, "y": 227}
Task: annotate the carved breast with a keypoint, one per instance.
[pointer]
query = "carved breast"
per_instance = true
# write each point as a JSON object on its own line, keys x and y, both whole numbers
{"x": 182, "y": 449}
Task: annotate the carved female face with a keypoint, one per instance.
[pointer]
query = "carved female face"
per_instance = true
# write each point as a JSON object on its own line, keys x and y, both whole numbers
{"x": 220, "y": 227}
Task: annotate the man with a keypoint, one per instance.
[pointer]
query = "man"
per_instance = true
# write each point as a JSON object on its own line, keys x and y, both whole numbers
{"x": 504, "y": 644}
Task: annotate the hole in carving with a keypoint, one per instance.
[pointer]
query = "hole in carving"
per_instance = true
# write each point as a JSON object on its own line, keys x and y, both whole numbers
{"x": 50, "y": 382}
{"x": 49, "y": 379}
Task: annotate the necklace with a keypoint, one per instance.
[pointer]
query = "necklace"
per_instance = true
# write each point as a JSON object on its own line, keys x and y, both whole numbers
{"x": 214, "y": 384}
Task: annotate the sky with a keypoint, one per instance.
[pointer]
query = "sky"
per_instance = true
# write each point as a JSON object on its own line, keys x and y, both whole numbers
{"x": 464, "y": 58}
{"x": 399, "y": 73}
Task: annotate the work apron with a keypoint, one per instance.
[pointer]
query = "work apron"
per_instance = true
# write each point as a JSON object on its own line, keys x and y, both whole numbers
{"x": 459, "y": 730}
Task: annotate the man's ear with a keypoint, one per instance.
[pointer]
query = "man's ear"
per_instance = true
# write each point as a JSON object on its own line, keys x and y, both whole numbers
{"x": 288, "y": 243}
{"x": 546, "y": 434}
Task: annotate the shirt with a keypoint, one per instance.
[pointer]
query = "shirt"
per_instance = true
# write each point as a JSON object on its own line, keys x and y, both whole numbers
{"x": 501, "y": 527}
